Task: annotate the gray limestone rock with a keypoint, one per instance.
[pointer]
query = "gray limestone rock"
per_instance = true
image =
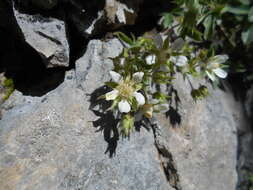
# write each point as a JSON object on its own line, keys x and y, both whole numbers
{"x": 47, "y": 36}
{"x": 245, "y": 155}
{"x": 50, "y": 142}
{"x": 198, "y": 145}
{"x": 63, "y": 140}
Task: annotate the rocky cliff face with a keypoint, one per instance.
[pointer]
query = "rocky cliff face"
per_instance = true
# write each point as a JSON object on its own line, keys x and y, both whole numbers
{"x": 54, "y": 133}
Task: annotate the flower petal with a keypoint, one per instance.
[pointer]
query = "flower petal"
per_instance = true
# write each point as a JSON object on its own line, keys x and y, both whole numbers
{"x": 220, "y": 73}
{"x": 150, "y": 59}
{"x": 139, "y": 98}
{"x": 124, "y": 106}
{"x": 122, "y": 62}
{"x": 137, "y": 77}
{"x": 179, "y": 60}
{"x": 210, "y": 75}
{"x": 112, "y": 95}
{"x": 219, "y": 59}
{"x": 116, "y": 77}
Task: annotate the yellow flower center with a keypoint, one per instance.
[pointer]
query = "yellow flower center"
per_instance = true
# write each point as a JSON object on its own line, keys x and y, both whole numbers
{"x": 215, "y": 66}
{"x": 126, "y": 89}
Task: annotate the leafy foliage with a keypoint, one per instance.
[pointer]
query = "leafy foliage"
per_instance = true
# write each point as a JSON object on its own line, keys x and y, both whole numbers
{"x": 226, "y": 25}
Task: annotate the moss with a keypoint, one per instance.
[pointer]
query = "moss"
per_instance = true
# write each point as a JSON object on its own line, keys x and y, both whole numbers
{"x": 9, "y": 85}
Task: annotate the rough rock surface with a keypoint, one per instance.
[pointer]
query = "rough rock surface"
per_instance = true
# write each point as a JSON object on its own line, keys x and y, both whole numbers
{"x": 50, "y": 142}
{"x": 62, "y": 140}
{"x": 47, "y": 36}
{"x": 202, "y": 142}
{"x": 245, "y": 136}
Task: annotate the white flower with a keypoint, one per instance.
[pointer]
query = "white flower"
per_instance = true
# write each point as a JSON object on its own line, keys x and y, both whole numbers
{"x": 122, "y": 62}
{"x": 125, "y": 91}
{"x": 116, "y": 77}
{"x": 112, "y": 95}
{"x": 219, "y": 59}
{"x": 213, "y": 67}
{"x": 148, "y": 109}
{"x": 151, "y": 59}
{"x": 139, "y": 98}
{"x": 179, "y": 60}
{"x": 124, "y": 106}
{"x": 220, "y": 73}
{"x": 210, "y": 75}
{"x": 137, "y": 77}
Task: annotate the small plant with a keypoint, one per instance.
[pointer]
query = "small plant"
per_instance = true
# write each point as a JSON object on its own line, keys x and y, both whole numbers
{"x": 8, "y": 84}
{"x": 225, "y": 25}
{"x": 144, "y": 65}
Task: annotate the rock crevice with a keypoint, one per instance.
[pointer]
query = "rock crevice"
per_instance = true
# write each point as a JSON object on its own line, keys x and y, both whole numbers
{"x": 166, "y": 158}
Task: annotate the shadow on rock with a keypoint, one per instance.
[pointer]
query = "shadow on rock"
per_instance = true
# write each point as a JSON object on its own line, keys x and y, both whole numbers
{"x": 21, "y": 62}
{"x": 172, "y": 113}
{"x": 106, "y": 122}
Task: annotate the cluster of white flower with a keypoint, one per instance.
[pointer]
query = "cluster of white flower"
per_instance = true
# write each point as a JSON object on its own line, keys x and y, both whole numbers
{"x": 214, "y": 67}
{"x": 130, "y": 82}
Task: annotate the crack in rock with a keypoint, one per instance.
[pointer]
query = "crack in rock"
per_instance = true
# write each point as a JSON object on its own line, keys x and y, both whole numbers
{"x": 166, "y": 157}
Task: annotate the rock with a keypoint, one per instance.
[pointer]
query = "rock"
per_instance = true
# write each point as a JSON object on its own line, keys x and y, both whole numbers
{"x": 47, "y": 36}
{"x": 64, "y": 140}
{"x": 96, "y": 53}
{"x": 249, "y": 103}
{"x": 198, "y": 146}
{"x": 49, "y": 142}
{"x": 119, "y": 13}
{"x": 245, "y": 154}
{"x": 92, "y": 18}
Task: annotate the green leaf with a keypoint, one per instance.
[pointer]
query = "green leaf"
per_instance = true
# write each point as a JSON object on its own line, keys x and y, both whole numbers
{"x": 166, "y": 43}
{"x": 239, "y": 10}
{"x": 245, "y": 2}
{"x": 138, "y": 86}
{"x": 124, "y": 38}
{"x": 168, "y": 19}
{"x": 247, "y": 36}
{"x": 250, "y": 15}
{"x": 209, "y": 27}
{"x": 111, "y": 84}
{"x": 160, "y": 96}
{"x": 134, "y": 104}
